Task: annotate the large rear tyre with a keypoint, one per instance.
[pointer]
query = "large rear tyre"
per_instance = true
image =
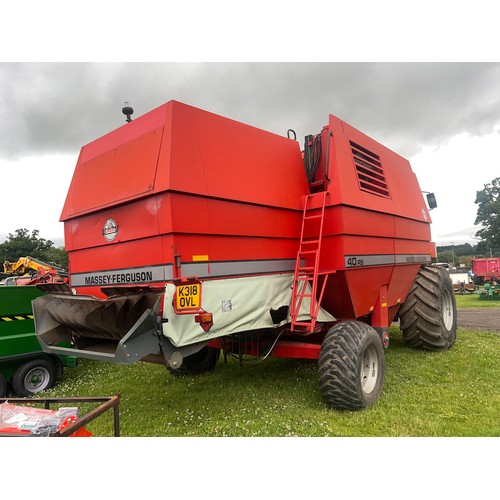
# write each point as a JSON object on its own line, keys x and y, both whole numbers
{"x": 351, "y": 366}
{"x": 202, "y": 361}
{"x": 33, "y": 377}
{"x": 429, "y": 314}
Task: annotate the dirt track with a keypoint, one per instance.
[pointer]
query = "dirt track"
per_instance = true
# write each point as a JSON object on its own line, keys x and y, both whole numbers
{"x": 479, "y": 319}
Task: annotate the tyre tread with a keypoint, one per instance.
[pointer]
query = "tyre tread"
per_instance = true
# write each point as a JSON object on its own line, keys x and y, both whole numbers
{"x": 338, "y": 366}
{"x": 421, "y": 314}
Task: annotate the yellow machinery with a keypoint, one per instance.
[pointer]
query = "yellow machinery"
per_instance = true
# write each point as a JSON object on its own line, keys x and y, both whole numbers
{"x": 25, "y": 265}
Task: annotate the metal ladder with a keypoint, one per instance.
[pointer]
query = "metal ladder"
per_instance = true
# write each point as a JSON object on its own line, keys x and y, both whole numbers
{"x": 309, "y": 253}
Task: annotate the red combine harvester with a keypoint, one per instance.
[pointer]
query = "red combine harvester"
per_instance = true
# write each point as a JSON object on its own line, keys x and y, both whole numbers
{"x": 190, "y": 234}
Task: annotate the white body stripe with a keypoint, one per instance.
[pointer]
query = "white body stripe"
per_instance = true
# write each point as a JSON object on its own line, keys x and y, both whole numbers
{"x": 162, "y": 273}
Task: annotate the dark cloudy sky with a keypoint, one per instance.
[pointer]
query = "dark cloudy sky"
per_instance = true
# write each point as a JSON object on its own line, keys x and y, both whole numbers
{"x": 56, "y": 108}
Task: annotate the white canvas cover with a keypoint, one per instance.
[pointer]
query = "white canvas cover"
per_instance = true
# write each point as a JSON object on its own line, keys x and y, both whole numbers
{"x": 237, "y": 305}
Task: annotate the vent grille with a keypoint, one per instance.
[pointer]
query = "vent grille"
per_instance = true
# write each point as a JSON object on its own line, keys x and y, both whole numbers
{"x": 371, "y": 176}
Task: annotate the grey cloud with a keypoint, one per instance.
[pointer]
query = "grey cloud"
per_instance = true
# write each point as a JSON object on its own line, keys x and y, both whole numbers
{"x": 58, "y": 107}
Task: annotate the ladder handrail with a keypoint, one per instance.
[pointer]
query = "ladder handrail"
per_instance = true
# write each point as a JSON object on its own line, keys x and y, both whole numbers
{"x": 308, "y": 274}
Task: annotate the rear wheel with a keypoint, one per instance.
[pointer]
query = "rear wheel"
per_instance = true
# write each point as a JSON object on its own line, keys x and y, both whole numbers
{"x": 32, "y": 377}
{"x": 429, "y": 313}
{"x": 202, "y": 361}
{"x": 351, "y": 366}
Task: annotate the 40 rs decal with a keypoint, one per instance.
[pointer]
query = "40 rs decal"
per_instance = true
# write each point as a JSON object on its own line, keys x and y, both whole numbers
{"x": 368, "y": 260}
{"x": 352, "y": 261}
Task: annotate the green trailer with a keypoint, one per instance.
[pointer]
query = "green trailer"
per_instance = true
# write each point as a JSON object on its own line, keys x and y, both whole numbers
{"x": 24, "y": 367}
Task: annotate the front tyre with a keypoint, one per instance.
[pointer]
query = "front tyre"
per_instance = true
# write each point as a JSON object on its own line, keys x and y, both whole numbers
{"x": 351, "y": 366}
{"x": 429, "y": 314}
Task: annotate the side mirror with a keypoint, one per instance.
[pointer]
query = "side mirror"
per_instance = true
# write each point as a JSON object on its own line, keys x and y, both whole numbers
{"x": 431, "y": 201}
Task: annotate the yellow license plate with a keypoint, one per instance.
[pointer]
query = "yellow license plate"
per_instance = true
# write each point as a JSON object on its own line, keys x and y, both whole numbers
{"x": 188, "y": 297}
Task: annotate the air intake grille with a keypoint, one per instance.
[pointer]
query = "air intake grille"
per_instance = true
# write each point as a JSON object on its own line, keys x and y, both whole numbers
{"x": 370, "y": 172}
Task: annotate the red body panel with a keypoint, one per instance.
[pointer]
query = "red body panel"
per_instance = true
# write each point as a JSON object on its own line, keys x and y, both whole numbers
{"x": 226, "y": 199}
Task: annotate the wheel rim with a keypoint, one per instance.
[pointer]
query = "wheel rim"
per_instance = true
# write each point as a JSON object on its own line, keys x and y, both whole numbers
{"x": 37, "y": 379}
{"x": 447, "y": 312}
{"x": 369, "y": 369}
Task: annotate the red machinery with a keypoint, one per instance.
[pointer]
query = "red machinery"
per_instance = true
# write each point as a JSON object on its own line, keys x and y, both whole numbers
{"x": 485, "y": 269}
{"x": 189, "y": 233}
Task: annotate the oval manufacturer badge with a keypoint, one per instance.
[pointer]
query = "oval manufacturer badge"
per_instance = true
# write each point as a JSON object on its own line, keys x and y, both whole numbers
{"x": 110, "y": 230}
